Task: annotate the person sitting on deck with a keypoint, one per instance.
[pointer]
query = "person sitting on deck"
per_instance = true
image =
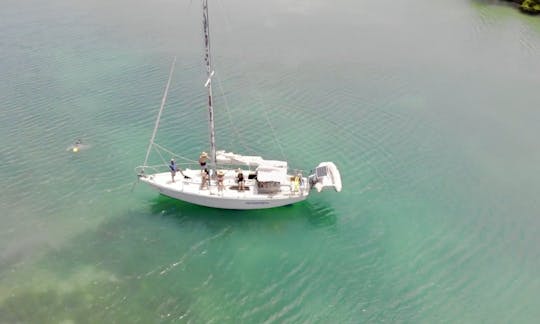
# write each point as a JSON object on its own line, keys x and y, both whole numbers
{"x": 240, "y": 180}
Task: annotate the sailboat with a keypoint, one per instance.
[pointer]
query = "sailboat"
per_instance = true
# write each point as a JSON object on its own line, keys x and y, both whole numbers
{"x": 232, "y": 181}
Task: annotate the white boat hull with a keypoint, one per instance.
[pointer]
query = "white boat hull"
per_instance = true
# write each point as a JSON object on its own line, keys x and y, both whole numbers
{"x": 189, "y": 190}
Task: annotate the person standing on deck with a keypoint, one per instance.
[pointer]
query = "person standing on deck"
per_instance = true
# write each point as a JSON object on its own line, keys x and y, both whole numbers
{"x": 173, "y": 168}
{"x": 220, "y": 178}
{"x": 205, "y": 179}
{"x": 202, "y": 160}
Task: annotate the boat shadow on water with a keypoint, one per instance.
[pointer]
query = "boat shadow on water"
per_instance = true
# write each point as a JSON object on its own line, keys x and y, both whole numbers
{"x": 317, "y": 215}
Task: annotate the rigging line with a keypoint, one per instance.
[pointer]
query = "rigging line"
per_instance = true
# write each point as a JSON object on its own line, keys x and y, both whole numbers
{"x": 227, "y": 20}
{"x": 174, "y": 154}
{"x": 161, "y": 156}
{"x": 160, "y": 111}
{"x": 272, "y": 129}
{"x": 229, "y": 115}
{"x": 276, "y": 140}
{"x": 234, "y": 129}
{"x": 236, "y": 132}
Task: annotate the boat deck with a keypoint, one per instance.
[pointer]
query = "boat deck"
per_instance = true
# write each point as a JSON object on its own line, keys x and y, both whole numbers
{"x": 230, "y": 197}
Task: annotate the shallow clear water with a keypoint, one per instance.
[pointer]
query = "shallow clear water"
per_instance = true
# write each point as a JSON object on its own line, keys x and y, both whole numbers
{"x": 431, "y": 111}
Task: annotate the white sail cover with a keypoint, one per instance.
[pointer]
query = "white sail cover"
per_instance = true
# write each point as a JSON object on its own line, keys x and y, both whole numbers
{"x": 271, "y": 174}
{"x": 223, "y": 157}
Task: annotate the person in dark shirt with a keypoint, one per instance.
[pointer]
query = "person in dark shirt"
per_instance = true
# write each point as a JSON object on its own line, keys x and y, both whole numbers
{"x": 240, "y": 179}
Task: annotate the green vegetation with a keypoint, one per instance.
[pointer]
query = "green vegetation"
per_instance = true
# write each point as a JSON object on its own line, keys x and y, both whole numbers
{"x": 530, "y": 6}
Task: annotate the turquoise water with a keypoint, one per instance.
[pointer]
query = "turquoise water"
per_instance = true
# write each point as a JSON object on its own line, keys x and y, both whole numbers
{"x": 431, "y": 111}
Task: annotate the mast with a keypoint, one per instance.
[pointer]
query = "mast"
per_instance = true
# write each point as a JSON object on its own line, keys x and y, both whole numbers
{"x": 208, "y": 85}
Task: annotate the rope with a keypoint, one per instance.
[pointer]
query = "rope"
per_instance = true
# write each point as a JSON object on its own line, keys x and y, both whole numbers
{"x": 160, "y": 111}
{"x": 227, "y": 20}
{"x": 161, "y": 156}
{"x": 174, "y": 154}
{"x": 273, "y": 133}
{"x": 234, "y": 129}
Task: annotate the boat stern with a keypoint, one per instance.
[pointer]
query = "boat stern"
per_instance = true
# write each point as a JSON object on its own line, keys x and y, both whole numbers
{"x": 326, "y": 176}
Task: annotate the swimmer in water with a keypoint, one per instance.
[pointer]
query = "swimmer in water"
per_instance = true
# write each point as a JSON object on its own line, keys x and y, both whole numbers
{"x": 76, "y": 146}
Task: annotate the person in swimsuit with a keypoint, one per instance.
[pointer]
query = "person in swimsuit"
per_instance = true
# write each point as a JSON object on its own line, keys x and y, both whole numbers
{"x": 202, "y": 160}
{"x": 205, "y": 179}
{"x": 220, "y": 177}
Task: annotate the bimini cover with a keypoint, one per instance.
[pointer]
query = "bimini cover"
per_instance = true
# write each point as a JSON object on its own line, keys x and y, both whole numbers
{"x": 271, "y": 174}
{"x": 223, "y": 157}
